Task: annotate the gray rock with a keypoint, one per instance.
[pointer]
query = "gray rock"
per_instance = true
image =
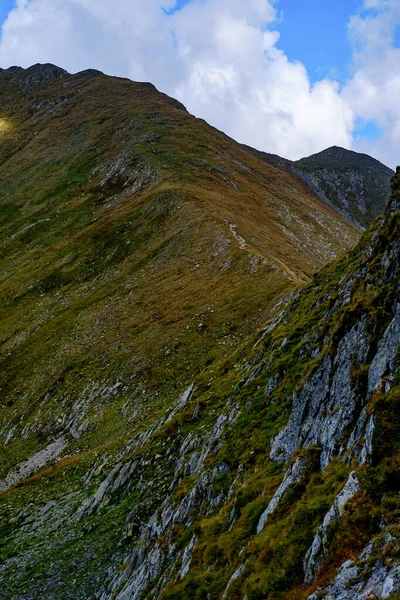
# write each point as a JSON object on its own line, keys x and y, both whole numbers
{"x": 271, "y": 385}
{"x": 355, "y": 582}
{"x": 33, "y": 463}
{"x": 187, "y": 556}
{"x": 366, "y": 450}
{"x": 143, "y": 575}
{"x": 236, "y": 574}
{"x": 293, "y": 475}
{"x": 391, "y": 585}
{"x": 327, "y": 404}
{"x": 306, "y": 408}
{"x": 384, "y": 359}
{"x": 148, "y": 562}
{"x": 117, "y": 478}
{"x": 316, "y": 553}
{"x": 183, "y": 400}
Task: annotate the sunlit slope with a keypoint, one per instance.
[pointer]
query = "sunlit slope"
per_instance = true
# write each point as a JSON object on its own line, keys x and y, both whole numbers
{"x": 138, "y": 244}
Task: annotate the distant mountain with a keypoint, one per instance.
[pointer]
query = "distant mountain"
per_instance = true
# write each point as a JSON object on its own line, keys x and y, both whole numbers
{"x": 356, "y": 185}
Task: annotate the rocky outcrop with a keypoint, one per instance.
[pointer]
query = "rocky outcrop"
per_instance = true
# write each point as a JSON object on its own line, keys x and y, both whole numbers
{"x": 34, "y": 76}
{"x": 316, "y": 553}
{"x": 34, "y": 463}
{"x": 148, "y": 561}
{"x": 384, "y": 359}
{"x": 356, "y": 185}
{"x": 118, "y": 478}
{"x": 327, "y": 404}
{"x": 235, "y": 576}
{"x": 362, "y": 579}
{"x": 187, "y": 556}
{"x": 292, "y": 476}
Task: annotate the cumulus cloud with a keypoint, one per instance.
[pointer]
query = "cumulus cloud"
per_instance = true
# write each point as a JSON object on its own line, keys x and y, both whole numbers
{"x": 236, "y": 78}
{"x": 220, "y": 58}
{"x": 374, "y": 89}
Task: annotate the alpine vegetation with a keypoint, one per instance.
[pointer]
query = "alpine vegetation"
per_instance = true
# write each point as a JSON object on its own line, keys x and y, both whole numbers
{"x": 200, "y": 356}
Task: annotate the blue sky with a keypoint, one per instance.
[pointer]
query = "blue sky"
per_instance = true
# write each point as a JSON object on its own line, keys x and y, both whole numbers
{"x": 5, "y": 7}
{"x": 315, "y": 86}
{"x": 314, "y": 33}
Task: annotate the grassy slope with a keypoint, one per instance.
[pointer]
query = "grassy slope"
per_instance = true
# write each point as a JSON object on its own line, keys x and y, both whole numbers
{"x": 140, "y": 247}
{"x": 45, "y": 554}
{"x": 138, "y": 244}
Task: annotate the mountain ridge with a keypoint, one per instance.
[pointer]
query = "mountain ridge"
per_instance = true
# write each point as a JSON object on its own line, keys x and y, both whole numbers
{"x": 115, "y": 201}
{"x": 194, "y": 403}
{"x": 356, "y": 194}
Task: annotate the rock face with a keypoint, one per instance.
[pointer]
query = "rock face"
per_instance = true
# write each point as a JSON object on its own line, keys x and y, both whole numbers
{"x": 187, "y": 556}
{"x": 32, "y": 464}
{"x": 356, "y": 184}
{"x": 384, "y": 361}
{"x": 327, "y": 403}
{"x": 293, "y": 475}
{"x": 358, "y": 580}
{"x": 316, "y": 553}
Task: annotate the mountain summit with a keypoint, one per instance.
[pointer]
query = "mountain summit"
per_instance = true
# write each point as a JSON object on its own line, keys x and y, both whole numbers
{"x": 354, "y": 184}
{"x": 194, "y": 403}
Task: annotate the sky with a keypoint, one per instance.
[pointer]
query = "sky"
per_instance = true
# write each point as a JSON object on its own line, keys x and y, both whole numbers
{"x": 286, "y": 76}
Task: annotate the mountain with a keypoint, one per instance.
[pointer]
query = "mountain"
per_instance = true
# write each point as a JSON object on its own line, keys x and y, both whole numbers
{"x": 138, "y": 245}
{"x": 158, "y": 440}
{"x": 356, "y": 185}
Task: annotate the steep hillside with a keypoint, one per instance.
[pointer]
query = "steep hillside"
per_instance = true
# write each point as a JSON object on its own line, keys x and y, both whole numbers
{"x": 141, "y": 250}
{"x": 138, "y": 245}
{"x": 356, "y": 185}
{"x": 284, "y": 460}
{"x": 275, "y": 475}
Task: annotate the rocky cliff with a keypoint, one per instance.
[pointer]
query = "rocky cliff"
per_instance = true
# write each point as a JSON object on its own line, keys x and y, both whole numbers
{"x": 357, "y": 185}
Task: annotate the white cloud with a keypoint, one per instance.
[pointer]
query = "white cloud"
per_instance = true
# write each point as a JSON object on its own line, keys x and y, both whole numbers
{"x": 220, "y": 58}
{"x": 374, "y": 89}
{"x": 236, "y": 79}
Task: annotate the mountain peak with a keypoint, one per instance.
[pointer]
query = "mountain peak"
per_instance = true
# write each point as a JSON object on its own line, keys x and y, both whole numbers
{"x": 342, "y": 156}
{"x": 357, "y": 185}
{"x": 41, "y": 74}
{"x": 39, "y": 71}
